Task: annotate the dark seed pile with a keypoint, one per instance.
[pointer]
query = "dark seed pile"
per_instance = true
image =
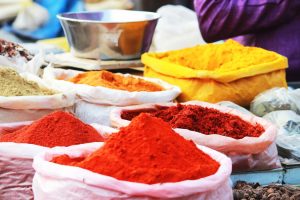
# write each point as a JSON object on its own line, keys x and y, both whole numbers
{"x": 11, "y": 49}
{"x": 253, "y": 191}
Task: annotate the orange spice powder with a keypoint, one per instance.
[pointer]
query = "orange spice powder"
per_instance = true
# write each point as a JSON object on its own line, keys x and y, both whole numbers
{"x": 115, "y": 81}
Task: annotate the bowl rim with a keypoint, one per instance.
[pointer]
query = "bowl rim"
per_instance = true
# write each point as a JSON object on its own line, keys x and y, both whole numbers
{"x": 155, "y": 16}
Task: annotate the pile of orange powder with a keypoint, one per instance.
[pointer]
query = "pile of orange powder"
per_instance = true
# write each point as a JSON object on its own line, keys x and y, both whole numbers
{"x": 115, "y": 81}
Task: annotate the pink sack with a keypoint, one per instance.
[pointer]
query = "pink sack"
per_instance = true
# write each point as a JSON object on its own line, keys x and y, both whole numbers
{"x": 16, "y": 172}
{"x": 54, "y": 181}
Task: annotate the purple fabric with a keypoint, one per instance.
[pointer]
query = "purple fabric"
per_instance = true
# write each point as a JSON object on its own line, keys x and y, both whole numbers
{"x": 270, "y": 24}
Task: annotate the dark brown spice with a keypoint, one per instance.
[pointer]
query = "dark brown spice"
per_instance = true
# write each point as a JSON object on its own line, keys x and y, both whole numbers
{"x": 11, "y": 49}
{"x": 253, "y": 191}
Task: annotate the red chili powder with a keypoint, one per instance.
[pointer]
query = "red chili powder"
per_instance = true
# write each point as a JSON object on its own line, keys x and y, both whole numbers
{"x": 130, "y": 114}
{"x": 206, "y": 120}
{"x": 147, "y": 151}
{"x": 56, "y": 129}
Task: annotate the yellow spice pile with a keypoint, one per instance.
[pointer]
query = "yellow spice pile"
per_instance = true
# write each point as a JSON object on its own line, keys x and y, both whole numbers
{"x": 221, "y": 57}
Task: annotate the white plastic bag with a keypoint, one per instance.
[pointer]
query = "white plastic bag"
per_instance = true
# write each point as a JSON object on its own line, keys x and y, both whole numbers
{"x": 28, "y": 108}
{"x": 276, "y": 99}
{"x": 33, "y": 66}
{"x": 21, "y": 65}
{"x": 289, "y": 133}
{"x": 179, "y": 25}
{"x": 246, "y": 153}
{"x": 15, "y": 62}
{"x": 230, "y": 104}
{"x": 54, "y": 181}
{"x": 16, "y": 159}
{"x": 98, "y": 101}
{"x": 31, "y": 16}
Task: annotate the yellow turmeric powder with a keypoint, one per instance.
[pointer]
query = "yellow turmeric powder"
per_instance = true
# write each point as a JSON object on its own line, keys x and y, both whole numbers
{"x": 115, "y": 81}
{"x": 219, "y": 57}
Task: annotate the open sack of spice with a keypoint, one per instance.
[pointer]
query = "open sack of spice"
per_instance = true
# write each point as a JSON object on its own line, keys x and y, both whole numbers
{"x": 276, "y": 99}
{"x": 218, "y": 72}
{"x": 26, "y": 97}
{"x": 248, "y": 140}
{"x": 145, "y": 160}
{"x": 20, "y": 142}
{"x": 100, "y": 91}
{"x": 15, "y": 56}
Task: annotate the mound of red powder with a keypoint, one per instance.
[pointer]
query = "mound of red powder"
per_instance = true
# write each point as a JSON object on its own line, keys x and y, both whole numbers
{"x": 201, "y": 119}
{"x": 147, "y": 151}
{"x": 56, "y": 129}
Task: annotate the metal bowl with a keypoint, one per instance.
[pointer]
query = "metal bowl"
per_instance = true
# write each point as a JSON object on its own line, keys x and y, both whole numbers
{"x": 109, "y": 34}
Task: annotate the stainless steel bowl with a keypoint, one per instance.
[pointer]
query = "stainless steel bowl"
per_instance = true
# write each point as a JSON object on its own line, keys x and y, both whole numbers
{"x": 109, "y": 34}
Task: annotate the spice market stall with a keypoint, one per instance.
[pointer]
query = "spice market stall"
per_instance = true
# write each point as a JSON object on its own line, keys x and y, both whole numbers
{"x": 214, "y": 121}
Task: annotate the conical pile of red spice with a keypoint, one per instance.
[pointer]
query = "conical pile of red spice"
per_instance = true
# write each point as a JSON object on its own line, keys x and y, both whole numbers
{"x": 147, "y": 151}
{"x": 201, "y": 119}
{"x": 56, "y": 129}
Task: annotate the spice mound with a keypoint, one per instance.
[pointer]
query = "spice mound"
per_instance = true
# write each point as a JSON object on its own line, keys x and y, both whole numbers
{"x": 147, "y": 151}
{"x": 204, "y": 120}
{"x": 115, "y": 81}
{"x": 10, "y": 49}
{"x": 227, "y": 56}
{"x": 243, "y": 190}
{"x": 56, "y": 129}
{"x": 12, "y": 84}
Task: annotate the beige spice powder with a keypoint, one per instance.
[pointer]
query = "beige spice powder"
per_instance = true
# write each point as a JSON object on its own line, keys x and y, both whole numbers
{"x": 12, "y": 84}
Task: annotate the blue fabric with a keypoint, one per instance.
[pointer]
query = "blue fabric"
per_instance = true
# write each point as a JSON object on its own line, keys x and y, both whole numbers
{"x": 52, "y": 28}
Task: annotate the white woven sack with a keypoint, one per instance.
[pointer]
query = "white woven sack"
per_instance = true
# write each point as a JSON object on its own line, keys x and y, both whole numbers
{"x": 16, "y": 172}
{"x": 246, "y": 153}
{"x": 15, "y": 62}
{"x": 92, "y": 112}
{"x": 55, "y": 182}
{"x": 96, "y": 103}
{"x": 21, "y": 65}
{"x": 29, "y": 108}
